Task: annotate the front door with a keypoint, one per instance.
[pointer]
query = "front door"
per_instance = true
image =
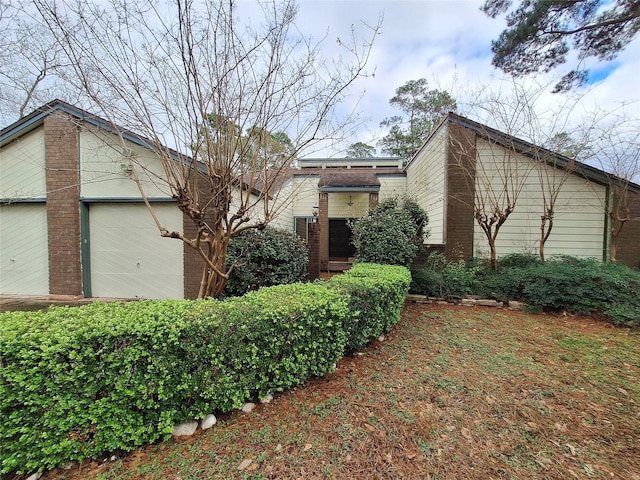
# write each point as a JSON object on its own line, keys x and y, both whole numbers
{"x": 340, "y": 239}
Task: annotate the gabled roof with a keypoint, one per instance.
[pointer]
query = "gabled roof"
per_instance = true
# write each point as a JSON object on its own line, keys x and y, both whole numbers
{"x": 528, "y": 149}
{"x": 35, "y": 119}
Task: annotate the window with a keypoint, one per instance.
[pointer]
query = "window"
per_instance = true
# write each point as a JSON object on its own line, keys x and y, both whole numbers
{"x": 301, "y": 225}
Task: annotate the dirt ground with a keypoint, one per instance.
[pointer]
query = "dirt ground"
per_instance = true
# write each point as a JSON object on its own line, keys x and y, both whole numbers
{"x": 451, "y": 392}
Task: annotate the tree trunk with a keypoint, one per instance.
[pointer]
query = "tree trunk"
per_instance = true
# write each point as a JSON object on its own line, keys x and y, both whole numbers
{"x": 545, "y": 231}
{"x": 493, "y": 258}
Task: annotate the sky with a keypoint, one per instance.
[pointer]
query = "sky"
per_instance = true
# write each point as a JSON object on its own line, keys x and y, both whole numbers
{"x": 449, "y": 44}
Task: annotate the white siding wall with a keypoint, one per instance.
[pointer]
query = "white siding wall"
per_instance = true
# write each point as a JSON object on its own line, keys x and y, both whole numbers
{"x": 392, "y": 186}
{"x": 24, "y": 258}
{"x": 305, "y": 195}
{"x": 579, "y": 219}
{"x": 22, "y": 169}
{"x": 103, "y": 163}
{"x": 281, "y": 206}
{"x": 426, "y": 184}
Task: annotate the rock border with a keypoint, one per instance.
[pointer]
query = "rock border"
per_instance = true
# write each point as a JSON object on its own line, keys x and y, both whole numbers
{"x": 470, "y": 301}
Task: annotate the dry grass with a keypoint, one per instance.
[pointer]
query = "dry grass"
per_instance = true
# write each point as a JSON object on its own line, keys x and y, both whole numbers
{"x": 451, "y": 393}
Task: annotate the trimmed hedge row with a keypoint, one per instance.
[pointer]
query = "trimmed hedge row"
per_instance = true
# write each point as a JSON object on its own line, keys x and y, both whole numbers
{"x": 78, "y": 382}
{"x": 374, "y": 306}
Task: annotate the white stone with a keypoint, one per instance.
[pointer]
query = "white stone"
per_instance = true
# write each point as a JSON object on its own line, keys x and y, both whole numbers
{"x": 417, "y": 298}
{"x": 381, "y": 338}
{"x": 185, "y": 429}
{"x": 247, "y": 407}
{"x": 208, "y": 422}
{"x": 488, "y": 303}
{"x": 266, "y": 398}
{"x": 513, "y": 305}
{"x": 34, "y": 476}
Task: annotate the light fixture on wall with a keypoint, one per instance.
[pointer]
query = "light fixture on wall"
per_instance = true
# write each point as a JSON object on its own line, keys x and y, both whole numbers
{"x": 315, "y": 212}
{"x": 126, "y": 168}
{"x": 350, "y": 202}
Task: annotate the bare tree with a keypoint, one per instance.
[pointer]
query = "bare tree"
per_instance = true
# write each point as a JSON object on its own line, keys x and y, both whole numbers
{"x": 190, "y": 75}
{"x": 500, "y": 178}
{"x": 553, "y": 171}
{"x": 617, "y": 149}
{"x": 542, "y": 150}
{"x": 606, "y": 140}
{"x": 494, "y": 170}
{"x": 32, "y": 66}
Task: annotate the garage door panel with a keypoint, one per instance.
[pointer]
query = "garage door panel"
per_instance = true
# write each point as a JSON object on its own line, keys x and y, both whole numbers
{"x": 129, "y": 258}
{"x": 24, "y": 257}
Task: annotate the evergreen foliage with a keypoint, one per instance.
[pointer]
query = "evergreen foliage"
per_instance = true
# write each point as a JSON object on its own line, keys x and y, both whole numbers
{"x": 391, "y": 233}
{"x": 265, "y": 257}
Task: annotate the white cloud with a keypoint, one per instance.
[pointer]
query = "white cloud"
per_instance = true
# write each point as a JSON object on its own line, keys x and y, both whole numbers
{"x": 449, "y": 44}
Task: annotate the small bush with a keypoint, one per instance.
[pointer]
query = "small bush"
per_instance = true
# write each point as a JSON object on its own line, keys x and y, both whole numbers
{"x": 390, "y": 234}
{"x": 583, "y": 286}
{"x": 441, "y": 278}
{"x": 518, "y": 260}
{"x": 266, "y": 257}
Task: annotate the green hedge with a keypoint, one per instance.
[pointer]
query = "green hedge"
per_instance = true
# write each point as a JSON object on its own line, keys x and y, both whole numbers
{"x": 376, "y": 294}
{"x": 78, "y": 382}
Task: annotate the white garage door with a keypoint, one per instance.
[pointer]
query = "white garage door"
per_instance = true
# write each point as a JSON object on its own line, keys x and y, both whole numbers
{"x": 129, "y": 258}
{"x": 24, "y": 256}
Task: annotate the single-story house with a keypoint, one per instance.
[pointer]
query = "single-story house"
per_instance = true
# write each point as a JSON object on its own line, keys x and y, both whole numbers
{"x": 73, "y": 221}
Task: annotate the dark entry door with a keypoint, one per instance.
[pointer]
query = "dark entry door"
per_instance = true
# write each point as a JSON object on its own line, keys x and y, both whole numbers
{"x": 340, "y": 239}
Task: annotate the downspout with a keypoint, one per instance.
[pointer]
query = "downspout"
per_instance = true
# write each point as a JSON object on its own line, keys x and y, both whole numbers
{"x": 85, "y": 249}
{"x": 606, "y": 233}
{"x": 85, "y": 234}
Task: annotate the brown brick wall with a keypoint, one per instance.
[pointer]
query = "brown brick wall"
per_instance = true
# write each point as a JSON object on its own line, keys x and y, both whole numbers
{"x": 323, "y": 213}
{"x": 373, "y": 199}
{"x": 63, "y": 204}
{"x": 461, "y": 157}
{"x": 314, "y": 251}
{"x": 629, "y": 239}
{"x": 193, "y": 263}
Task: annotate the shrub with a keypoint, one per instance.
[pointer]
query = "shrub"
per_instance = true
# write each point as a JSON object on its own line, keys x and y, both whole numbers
{"x": 376, "y": 296}
{"x": 390, "y": 234}
{"x": 78, "y": 382}
{"x": 266, "y": 257}
{"x": 584, "y": 287}
{"x": 441, "y": 278}
{"x": 518, "y": 260}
